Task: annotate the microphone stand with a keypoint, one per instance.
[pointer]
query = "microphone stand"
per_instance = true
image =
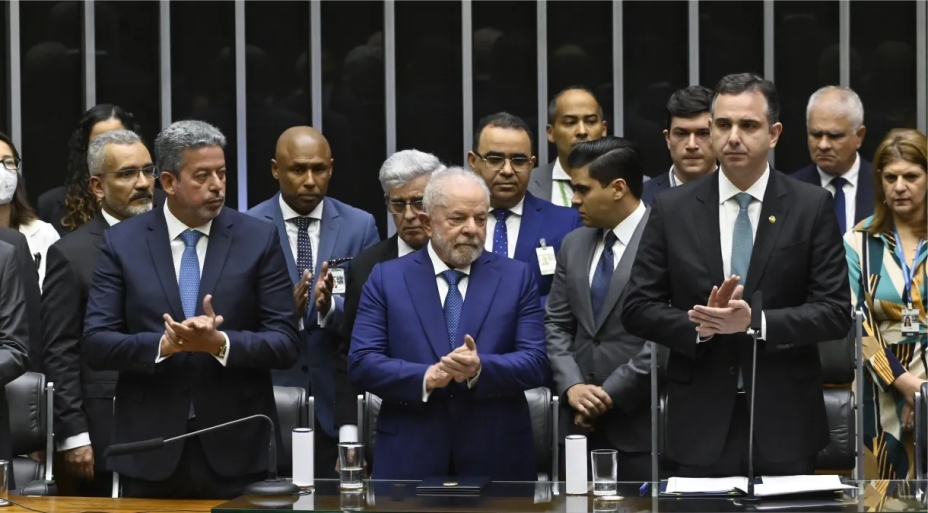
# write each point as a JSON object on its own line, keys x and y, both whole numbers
{"x": 756, "y": 326}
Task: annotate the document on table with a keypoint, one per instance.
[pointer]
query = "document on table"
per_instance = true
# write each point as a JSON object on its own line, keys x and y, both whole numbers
{"x": 768, "y": 486}
{"x": 683, "y": 485}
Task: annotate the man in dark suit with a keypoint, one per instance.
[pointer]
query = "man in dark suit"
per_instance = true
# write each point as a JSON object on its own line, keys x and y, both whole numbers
{"x": 520, "y": 225}
{"x": 598, "y": 366}
{"x": 574, "y": 116}
{"x": 122, "y": 176}
{"x": 449, "y": 408}
{"x": 51, "y": 206}
{"x": 777, "y": 236}
{"x": 29, "y": 277}
{"x": 835, "y": 128}
{"x": 188, "y": 261}
{"x": 403, "y": 177}
{"x": 687, "y": 137}
{"x": 14, "y": 329}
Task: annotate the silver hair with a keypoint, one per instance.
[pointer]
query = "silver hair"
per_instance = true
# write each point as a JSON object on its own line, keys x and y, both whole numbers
{"x": 434, "y": 197}
{"x": 405, "y": 166}
{"x": 96, "y": 153}
{"x": 845, "y": 101}
{"x": 180, "y": 135}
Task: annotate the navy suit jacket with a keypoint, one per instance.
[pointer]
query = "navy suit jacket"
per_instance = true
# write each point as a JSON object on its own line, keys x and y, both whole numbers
{"x": 863, "y": 202}
{"x": 542, "y": 220}
{"x": 135, "y": 284}
{"x": 653, "y": 186}
{"x": 345, "y": 231}
{"x": 400, "y": 330}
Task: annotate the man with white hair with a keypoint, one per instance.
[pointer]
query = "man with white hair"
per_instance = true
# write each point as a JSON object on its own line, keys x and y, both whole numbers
{"x": 835, "y": 124}
{"x": 449, "y": 408}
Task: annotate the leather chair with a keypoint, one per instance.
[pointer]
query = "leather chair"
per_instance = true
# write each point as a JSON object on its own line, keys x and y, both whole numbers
{"x": 921, "y": 436}
{"x": 543, "y": 408}
{"x": 30, "y": 401}
{"x": 838, "y": 358}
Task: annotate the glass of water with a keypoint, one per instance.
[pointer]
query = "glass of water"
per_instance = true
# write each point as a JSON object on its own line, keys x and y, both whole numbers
{"x": 4, "y": 483}
{"x": 351, "y": 463}
{"x": 605, "y": 466}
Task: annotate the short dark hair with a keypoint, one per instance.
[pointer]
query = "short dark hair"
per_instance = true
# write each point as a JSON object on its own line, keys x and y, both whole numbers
{"x": 503, "y": 120}
{"x": 749, "y": 82}
{"x": 552, "y": 105}
{"x": 609, "y": 158}
{"x": 688, "y": 103}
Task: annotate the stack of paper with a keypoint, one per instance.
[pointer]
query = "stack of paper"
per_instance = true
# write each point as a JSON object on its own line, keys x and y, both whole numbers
{"x": 684, "y": 485}
{"x": 767, "y": 486}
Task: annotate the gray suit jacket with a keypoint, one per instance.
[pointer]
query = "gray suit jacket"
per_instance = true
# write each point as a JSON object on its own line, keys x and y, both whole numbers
{"x": 599, "y": 351}
{"x": 540, "y": 182}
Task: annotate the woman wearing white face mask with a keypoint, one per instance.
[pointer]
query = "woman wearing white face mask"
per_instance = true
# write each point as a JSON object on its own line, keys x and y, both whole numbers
{"x": 15, "y": 211}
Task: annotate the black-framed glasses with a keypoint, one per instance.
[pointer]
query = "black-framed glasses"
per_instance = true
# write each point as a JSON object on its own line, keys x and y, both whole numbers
{"x": 12, "y": 163}
{"x": 132, "y": 173}
{"x": 398, "y": 206}
{"x": 519, "y": 163}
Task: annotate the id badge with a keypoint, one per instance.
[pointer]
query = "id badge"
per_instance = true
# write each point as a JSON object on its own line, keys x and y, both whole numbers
{"x": 547, "y": 262}
{"x": 910, "y": 321}
{"x": 338, "y": 280}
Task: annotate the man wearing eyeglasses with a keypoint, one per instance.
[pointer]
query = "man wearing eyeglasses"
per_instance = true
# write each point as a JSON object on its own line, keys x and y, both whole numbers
{"x": 314, "y": 229}
{"x": 403, "y": 177}
{"x": 123, "y": 177}
{"x": 520, "y": 226}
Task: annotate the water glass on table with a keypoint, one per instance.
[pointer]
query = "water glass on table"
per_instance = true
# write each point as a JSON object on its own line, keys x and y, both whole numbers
{"x": 4, "y": 483}
{"x": 605, "y": 468}
{"x": 351, "y": 463}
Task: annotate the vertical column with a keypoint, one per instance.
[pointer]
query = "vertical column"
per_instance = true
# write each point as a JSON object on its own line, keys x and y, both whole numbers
{"x": 694, "y": 41}
{"x": 389, "y": 69}
{"x": 315, "y": 61}
{"x": 240, "y": 109}
{"x": 164, "y": 50}
{"x": 921, "y": 52}
{"x": 90, "y": 56}
{"x": 618, "y": 72}
{"x": 768, "y": 52}
{"x": 844, "y": 43}
{"x": 467, "y": 74}
{"x": 542, "y": 47}
{"x": 15, "y": 76}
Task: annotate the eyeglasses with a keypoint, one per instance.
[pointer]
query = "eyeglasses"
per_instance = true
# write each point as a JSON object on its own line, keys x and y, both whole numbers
{"x": 12, "y": 163}
{"x": 398, "y": 206}
{"x": 519, "y": 164}
{"x": 132, "y": 173}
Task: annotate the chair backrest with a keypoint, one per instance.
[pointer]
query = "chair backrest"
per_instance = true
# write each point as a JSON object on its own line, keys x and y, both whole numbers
{"x": 921, "y": 434}
{"x": 838, "y": 359}
{"x": 371, "y": 411}
{"x": 841, "y": 451}
{"x": 292, "y": 412}
{"x": 27, "y": 398}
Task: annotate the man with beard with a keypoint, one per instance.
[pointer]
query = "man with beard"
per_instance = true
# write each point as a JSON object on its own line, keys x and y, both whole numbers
{"x": 188, "y": 261}
{"x": 122, "y": 175}
{"x": 448, "y": 408}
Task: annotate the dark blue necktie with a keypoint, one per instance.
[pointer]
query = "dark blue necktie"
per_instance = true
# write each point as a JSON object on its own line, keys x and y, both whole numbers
{"x": 602, "y": 277}
{"x": 500, "y": 233}
{"x": 189, "y": 276}
{"x": 304, "y": 250}
{"x": 454, "y": 304}
{"x": 840, "y": 203}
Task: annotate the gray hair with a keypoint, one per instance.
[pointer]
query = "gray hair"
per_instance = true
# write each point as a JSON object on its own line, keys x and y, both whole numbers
{"x": 180, "y": 135}
{"x": 405, "y": 166}
{"x": 96, "y": 153}
{"x": 434, "y": 197}
{"x": 843, "y": 100}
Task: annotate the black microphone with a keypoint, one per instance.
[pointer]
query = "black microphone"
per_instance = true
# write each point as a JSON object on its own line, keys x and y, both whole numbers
{"x": 757, "y": 316}
{"x": 272, "y": 486}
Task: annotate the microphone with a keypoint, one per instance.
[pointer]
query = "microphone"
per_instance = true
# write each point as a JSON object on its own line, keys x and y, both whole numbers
{"x": 272, "y": 486}
{"x": 757, "y": 316}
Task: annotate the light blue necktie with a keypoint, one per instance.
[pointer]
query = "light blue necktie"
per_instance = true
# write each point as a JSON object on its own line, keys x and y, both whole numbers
{"x": 189, "y": 276}
{"x": 500, "y": 232}
{"x": 454, "y": 304}
{"x": 742, "y": 243}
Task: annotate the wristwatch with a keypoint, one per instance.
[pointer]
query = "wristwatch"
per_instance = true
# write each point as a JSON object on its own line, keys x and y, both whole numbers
{"x": 223, "y": 349}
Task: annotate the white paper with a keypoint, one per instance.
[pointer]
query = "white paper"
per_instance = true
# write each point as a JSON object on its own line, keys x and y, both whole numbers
{"x": 575, "y": 464}
{"x": 706, "y": 484}
{"x": 787, "y": 485}
{"x": 303, "y": 457}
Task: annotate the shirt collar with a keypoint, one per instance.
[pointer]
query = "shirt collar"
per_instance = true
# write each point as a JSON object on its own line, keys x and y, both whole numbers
{"x": 626, "y": 229}
{"x": 727, "y": 190}
{"x": 289, "y": 213}
{"x": 850, "y": 176}
{"x": 110, "y": 220}
{"x": 558, "y": 173}
{"x": 440, "y": 266}
{"x": 403, "y": 248}
{"x": 674, "y": 181}
{"x": 517, "y": 210}
{"x": 176, "y": 227}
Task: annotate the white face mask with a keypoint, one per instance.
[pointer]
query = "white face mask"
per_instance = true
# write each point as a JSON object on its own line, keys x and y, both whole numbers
{"x": 8, "y": 181}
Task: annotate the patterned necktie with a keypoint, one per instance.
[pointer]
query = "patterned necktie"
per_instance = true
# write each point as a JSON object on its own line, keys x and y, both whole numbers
{"x": 454, "y": 304}
{"x": 602, "y": 277}
{"x": 742, "y": 239}
{"x": 189, "y": 276}
{"x": 840, "y": 204}
{"x": 304, "y": 250}
{"x": 500, "y": 233}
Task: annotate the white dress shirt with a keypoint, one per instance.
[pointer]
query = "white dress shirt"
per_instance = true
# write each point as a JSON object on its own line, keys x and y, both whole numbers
{"x": 403, "y": 248}
{"x": 672, "y": 178}
{"x": 110, "y": 220}
{"x": 39, "y": 236}
{"x": 561, "y": 190}
{"x": 513, "y": 223}
{"x": 175, "y": 228}
{"x": 623, "y": 232}
{"x": 850, "y": 189}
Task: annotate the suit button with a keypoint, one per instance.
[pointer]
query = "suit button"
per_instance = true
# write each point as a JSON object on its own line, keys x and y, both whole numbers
{"x": 596, "y": 342}
{"x": 304, "y": 369}
{"x": 732, "y": 370}
{"x": 590, "y": 377}
{"x": 190, "y": 353}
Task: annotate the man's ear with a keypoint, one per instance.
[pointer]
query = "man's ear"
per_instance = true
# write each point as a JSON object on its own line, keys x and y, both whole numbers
{"x": 619, "y": 188}
{"x": 168, "y": 182}
{"x": 426, "y": 223}
{"x": 96, "y": 186}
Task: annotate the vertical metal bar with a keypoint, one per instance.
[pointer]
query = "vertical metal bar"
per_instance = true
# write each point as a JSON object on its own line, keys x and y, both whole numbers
{"x": 467, "y": 74}
{"x": 90, "y": 56}
{"x": 618, "y": 71}
{"x": 768, "y": 54}
{"x": 15, "y": 75}
{"x": 164, "y": 50}
{"x": 240, "y": 109}
{"x": 389, "y": 69}
{"x": 844, "y": 43}
{"x": 315, "y": 61}
{"x": 541, "y": 43}
{"x": 694, "y": 41}
{"x": 921, "y": 53}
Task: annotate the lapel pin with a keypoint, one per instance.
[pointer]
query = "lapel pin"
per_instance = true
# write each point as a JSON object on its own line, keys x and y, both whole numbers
{"x": 772, "y": 219}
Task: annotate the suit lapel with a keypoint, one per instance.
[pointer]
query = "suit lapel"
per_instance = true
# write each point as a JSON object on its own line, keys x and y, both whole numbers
{"x": 391, "y": 249}
{"x": 773, "y": 215}
{"x": 708, "y": 216}
{"x": 864, "y": 201}
{"x": 529, "y": 229}
{"x": 159, "y": 246}
{"x": 622, "y": 271}
{"x": 543, "y": 180}
{"x": 328, "y": 236}
{"x": 217, "y": 250}
{"x": 276, "y": 216}
{"x": 95, "y": 228}
{"x": 481, "y": 288}
{"x": 423, "y": 289}
{"x": 582, "y": 277}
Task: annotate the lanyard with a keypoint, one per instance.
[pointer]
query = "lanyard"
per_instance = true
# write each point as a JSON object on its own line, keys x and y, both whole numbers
{"x": 908, "y": 273}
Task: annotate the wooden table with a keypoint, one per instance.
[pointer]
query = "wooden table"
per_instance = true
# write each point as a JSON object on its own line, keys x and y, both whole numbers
{"x": 105, "y": 504}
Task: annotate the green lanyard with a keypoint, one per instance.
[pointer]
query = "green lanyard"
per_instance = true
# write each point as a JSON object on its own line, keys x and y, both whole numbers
{"x": 564, "y": 196}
